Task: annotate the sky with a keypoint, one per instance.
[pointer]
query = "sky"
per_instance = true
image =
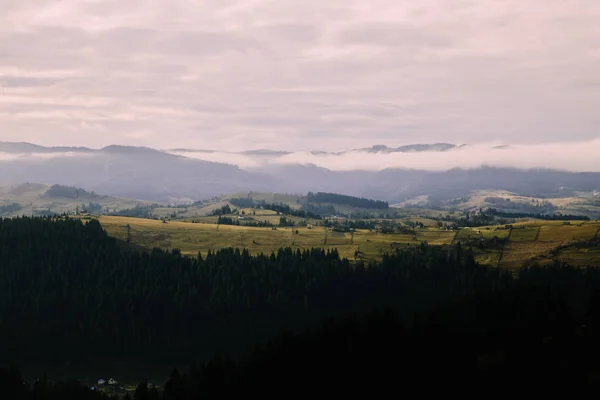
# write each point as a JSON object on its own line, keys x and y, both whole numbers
{"x": 299, "y": 74}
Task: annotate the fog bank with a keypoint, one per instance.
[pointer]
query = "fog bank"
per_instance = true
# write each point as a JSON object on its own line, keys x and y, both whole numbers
{"x": 568, "y": 156}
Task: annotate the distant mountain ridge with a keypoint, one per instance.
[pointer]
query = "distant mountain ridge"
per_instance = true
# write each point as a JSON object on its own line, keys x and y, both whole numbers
{"x": 24, "y": 147}
{"x": 409, "y": 148}
{"x": 149, "y": 174}
{"x": 418, "y": 147}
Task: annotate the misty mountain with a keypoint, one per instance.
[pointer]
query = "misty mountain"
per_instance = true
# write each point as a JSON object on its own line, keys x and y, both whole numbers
{"x": 132, "y": 172}
{"x": 149, "y": 174}
{"x": 265, "y": 152}
{"x": 22, "y": 147}
{"x": 373, "y": 149}
{"x": 408, "y": 148}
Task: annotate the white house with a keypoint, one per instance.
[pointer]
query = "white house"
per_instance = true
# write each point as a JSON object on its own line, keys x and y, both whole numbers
{"x": 111, "y": 381}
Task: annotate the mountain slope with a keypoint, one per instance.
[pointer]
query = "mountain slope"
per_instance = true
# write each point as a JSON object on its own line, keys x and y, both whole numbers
{"x": 145, "y": 173}
{"x": 133, "y": 172}
{"x": 23, "y": 147}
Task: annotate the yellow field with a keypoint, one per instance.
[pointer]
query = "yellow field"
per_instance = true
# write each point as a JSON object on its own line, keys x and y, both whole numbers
{"x": 527, "y": 240}
{"x": 565, "y": 233}
{"x": 481, "y": 233}
{"x": 524, "y": 233}
{"x": 192, "y": 238}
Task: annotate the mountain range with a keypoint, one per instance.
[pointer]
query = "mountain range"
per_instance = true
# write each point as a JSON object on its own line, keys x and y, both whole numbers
{"x": 159, "y": 175}
{"x": 373, "y": 149}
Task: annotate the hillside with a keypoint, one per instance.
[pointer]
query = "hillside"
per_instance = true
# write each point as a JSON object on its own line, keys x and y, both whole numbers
{"x": 526, "y": 242}
{"x": 40, "y": 199}
{"x": 132, "y": 172}
{"x": 579, "y": 203}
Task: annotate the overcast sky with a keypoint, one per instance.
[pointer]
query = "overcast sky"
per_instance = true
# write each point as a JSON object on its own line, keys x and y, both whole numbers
{"x": 298, "y": 74}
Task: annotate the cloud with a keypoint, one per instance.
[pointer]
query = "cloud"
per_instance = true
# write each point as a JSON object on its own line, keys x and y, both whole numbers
{"x": 569, "y": 156}
{"x": 241, "y": 160}
{"x": 7, "y": 157}
{"x": 298, "y": 75}
{"x": 581, "y": 156}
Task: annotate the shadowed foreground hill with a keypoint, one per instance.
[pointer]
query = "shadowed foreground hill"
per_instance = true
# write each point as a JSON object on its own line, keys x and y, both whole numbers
{"x": 69, "y": 293}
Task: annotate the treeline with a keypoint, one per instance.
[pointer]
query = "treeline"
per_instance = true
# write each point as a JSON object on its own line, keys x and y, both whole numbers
{"x": 258, "y": 224}
{"x": 69, "y": 192}
{"x": 242, "y": 202}
{"x": 319, "y": 210}
{"x": 277, "y": 207}
{"x": 227, "y": 221}
{"x": 335, "y": 198}
{"x": 547, "y": 217}
{"x": 285, "y": 209}
{"x": 93, "y": 207}
{"x": 348, "y": 225}
{"x": 471, "y": 220}
{"x": 139, "y": 211}
{"x": 535, "y": 206}
{"x": 246, "y": 222}
{"x": 224, "y": 210}
{"x": 10, "y": 208}
{"x": 492, "y": 216}
{"x": 283, "y": 221}
{"x": 68, "y": 291}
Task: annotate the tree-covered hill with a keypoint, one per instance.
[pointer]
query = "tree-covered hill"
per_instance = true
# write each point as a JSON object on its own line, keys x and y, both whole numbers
{"x": 69, "y": 291}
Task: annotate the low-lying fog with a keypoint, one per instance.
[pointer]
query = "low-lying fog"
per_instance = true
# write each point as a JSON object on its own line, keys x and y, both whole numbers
{"x": 570, "y": 156}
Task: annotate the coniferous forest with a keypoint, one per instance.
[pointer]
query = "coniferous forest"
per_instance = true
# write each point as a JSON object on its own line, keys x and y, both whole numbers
{"x": 307, "y": 322}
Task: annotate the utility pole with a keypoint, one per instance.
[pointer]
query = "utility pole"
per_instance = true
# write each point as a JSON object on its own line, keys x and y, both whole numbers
{"x": 77, "y": 201}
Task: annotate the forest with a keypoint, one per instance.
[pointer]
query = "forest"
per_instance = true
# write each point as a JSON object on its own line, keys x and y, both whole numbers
{"x": 335, "y": 198}
{"x": 277, "y": 207}
{"x": 309, "y": 320}
{"x": 285, "y": 209}
{"x": 224, "y": 210}
{"x": 227, "y": 221}
{"x": 546, "y": 217}
{"x": 68, "y": 291}
{"x": 9, "y": 208}
{"x": 139, "y": 211}
{"x": 242, "y": 202}
{"x": 535, "y": 207}
{"x": 69, "y": 192}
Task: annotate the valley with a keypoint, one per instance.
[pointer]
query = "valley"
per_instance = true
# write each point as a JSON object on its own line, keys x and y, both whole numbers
{"x": 360, "y": 229}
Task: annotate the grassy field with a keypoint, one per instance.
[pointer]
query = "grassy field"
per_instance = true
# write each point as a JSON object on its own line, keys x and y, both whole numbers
{"x": 524, "y": 233}
{"x": 525, "y": 241}
{"x": 192, "y": 238}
